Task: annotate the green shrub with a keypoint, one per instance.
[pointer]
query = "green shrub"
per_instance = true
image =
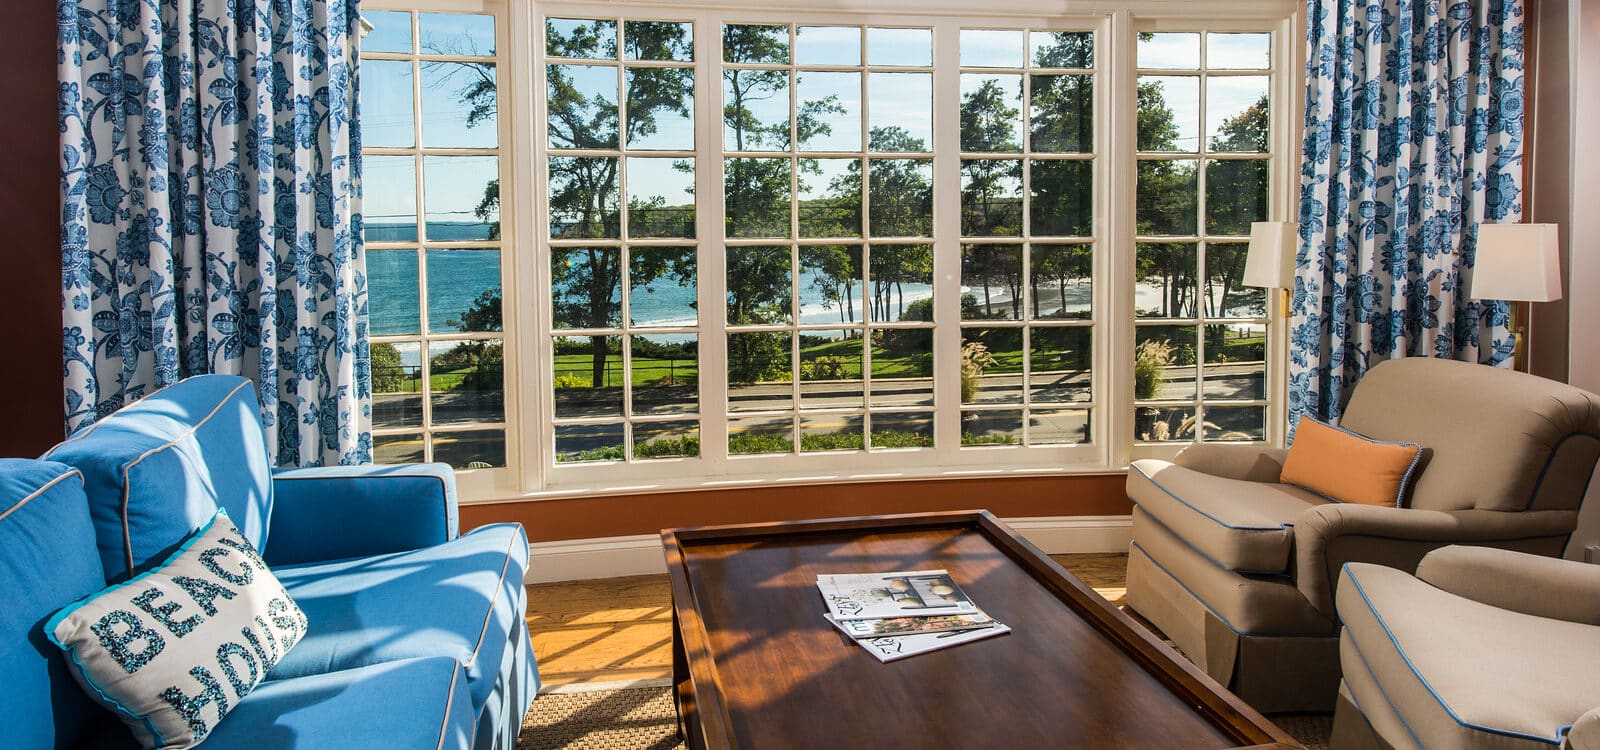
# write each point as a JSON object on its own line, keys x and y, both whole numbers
{"x": 825, "y": 367}
{"x": 759, "y": 442}
{"x": 968, "y": 438}
{"x": 606, "y": 453}
{"x": 388, "y": 374}
{"x": 671, "y": 447}
{"x": 1150, "y": 362}
{"x": 901, "y": 439}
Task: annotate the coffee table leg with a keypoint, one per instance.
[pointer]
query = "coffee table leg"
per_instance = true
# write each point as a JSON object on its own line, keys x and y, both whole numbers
{"x": 682, "y": 696}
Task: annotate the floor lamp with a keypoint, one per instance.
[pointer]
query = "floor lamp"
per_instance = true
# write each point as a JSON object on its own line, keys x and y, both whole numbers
{"x": 1518, "y": 263}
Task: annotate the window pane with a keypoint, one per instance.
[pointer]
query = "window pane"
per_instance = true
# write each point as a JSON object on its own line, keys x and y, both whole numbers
{"x": 1236, "y": 361}
{"x": 991, "y": 276}
{"x": 894, "y": 430}
{"x": 1063, "y": 197}
{"x": 901, "y": 197}
{"x": 1058, "y": 427}
{"x": 1062, "y": 112}
{"x": 386, "y": 115}
{"x": 1169, "y": 113}
{"x": 1164, "y": 424}
{"x": 991, "y": 112}
{"x": 991, "y": 49}
{"x": 397, "y": 385}
{"x": 1167, "y": 202}
{"x": 830, "y": 369}
{"x": 661, "y": 197}
{"x": 899, "y": 47}
{"x": 900, "y": 111}
{"x": 991, "y": 428}
{"x": 459, "y": 105}
{"x": 1169, "y": 50}
{"x": 1235, "y": 423}
{"x": 467, "y": 382}
{"x": 661, "y": 108}
{"x": 830, "y": 198}
{"x": 1236, "y": 195}
{"x": 1164, "y": 362}
{"x": 1239, "y": 51}
{"x": 991, "y": 366}
{"x": 752, "y": 435}
{"x": 389, "y": 206}
{"x": 827, "y": 45}
{"x": 391, "y": 32}
{"x": 586, "y": 287}
{"x": 392, "y": 293}
{"x": 900, "y": 275}
{"x": 457, "y": 34}
{"x": 589, "y": 442}
{"x": 830, "y": 111}
{"x": 463, "y": 290}
{"x": 662, "y": 286}
{"x": 756, "y": 110}
{"x": 1060, "y": 362}
{"x": 831, "y": 432}
{"x": 659, "y": 40}
{"x": 749, "y": 43}
{"x": 1061, "y": 49}
{"x": 756, "y": 197}
{"x": 831, "y": 284}
{"x": 1237, "y": 114}
{"x": 569, "y": 37}
{"x": 760, "y": 371}
{"x": 902, "y": 367}
{"x": 588, "y": 376}
{"x": 1226, "y": 293}
{"x": 397, "y": 449}
{"x": 666, "y": 440}
{"x": 1167, "y": 286}
{"x": 584, "y": 198}
{"x": 463, "y": 197}
{"x": 1062, "y": 279}
{"x": 991, "y": 198}
{"x": 759, "y": 292}
{"x": 666, "y": 374}
{"x": 582, "y": 102}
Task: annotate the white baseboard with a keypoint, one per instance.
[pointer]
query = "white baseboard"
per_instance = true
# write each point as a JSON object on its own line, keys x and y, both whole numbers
{"x": 581, "y": 559}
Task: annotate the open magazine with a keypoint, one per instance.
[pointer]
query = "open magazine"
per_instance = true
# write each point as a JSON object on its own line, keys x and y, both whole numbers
{"x": 891, "y": 647}
{"x": 871, "y": 596}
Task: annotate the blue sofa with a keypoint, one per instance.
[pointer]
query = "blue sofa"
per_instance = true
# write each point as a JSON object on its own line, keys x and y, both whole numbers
{"x": 416, "y": 636}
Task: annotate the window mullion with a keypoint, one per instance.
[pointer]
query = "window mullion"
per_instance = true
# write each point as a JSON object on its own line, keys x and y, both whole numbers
{"x": 947, "y": 239}
{"x": 709, "y": 227}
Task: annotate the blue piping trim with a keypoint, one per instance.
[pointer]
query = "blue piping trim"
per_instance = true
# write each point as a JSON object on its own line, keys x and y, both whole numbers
{"x": 1213, "y": 610}
{"x": 1392, "y": 707}
{"x": 1379, "y": 618}
{"x": 67, "y": 611}
{"x": 1405, "y": 479}
{"x": 1214, "y": 519}
{"x": 1210, "y": 559}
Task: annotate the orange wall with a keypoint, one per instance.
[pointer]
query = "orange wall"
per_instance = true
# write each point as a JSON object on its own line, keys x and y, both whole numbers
{"x": 625, "y": 515}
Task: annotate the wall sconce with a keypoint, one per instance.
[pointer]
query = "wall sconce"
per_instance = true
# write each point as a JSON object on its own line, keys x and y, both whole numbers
{"x": 1518, "y": 263}
{"x": 1270, "y": 262}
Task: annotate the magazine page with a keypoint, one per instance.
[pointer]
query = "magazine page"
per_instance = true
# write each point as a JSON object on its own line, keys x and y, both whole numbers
{"x": 910, "y": 625}
{"x": 905, "y": 593}
{"x": 893, "y": 647}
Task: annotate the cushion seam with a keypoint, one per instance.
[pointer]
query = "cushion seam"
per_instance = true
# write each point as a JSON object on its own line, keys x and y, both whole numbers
{"x": 36, "y": 493}
{"x": 1381, "y": 692}
{"x": 96, "y": 424}
{"x": 1208, "y": 516}
{"x": 1425, "y": 684}
{"x": 489, "y": 615}
{"x": 449, "y": 702}
{"x": 1209, "y": 558}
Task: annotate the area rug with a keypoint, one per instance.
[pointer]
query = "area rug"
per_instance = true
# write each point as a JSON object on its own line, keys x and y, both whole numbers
{"x": 639, "y": 716}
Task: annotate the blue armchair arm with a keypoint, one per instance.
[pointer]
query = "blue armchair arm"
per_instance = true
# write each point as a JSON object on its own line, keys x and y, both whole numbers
{"x": 338, "y": 512}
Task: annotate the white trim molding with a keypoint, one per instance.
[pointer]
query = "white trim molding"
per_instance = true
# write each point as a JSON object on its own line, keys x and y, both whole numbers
{"x": 637, "y": 555}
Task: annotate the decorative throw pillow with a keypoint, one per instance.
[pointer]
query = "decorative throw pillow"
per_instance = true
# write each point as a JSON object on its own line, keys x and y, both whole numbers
{"x": 172, "y": 650}
{"x": 1348, "y": 467}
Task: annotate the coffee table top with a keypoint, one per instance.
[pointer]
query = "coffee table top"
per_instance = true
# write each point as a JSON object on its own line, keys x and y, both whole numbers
{"x": 767, "y": 671}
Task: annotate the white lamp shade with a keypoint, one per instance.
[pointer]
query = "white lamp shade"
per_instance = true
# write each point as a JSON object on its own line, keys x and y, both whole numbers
{"x": 1517, "y": 262}
{"x": 1270, "y": 263}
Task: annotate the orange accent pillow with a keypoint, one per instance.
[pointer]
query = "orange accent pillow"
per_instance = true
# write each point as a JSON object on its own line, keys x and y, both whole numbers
{"x": 1348, "y": 467}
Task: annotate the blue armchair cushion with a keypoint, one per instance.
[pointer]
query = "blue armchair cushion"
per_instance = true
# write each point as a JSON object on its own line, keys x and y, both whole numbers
{"x": 336, "y": 512}
{"x": 174, "y": 648}
{"x": 463, "y": 599}
{"x": 159, "y": 468}
{"x": 46, "y": 561}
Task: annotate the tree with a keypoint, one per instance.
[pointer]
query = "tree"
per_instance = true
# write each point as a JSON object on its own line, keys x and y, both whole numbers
{"x": 990, "y": 188}
{"x": 388, "y": 371}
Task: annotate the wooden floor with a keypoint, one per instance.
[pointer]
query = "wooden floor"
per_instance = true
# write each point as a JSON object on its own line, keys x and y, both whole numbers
{"x": 620, "y": 629}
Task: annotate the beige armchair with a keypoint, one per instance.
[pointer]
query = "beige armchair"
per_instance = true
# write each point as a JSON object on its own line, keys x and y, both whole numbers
{"x": 1239, "y": 570}
{"x": 1484, "y": 648}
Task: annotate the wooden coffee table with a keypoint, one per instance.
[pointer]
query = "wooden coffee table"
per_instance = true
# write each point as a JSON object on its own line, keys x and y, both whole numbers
{"x": 756, "y": 666}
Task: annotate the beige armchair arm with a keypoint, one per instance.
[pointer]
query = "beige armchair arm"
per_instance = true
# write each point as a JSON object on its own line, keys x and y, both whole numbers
{"x": 1585, "y": 732}
{"x": 1328, "y": 536}
{"x": 1252, "y": 463}
{"x": 1541, "y": 586}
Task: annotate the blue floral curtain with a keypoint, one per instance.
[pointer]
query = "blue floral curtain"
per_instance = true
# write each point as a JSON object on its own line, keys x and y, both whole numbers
{"x": 211, "y": 211}
{"x": 1413, "y": 136}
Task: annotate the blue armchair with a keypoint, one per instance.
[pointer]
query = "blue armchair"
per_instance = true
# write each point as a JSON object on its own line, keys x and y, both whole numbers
{"x": 416, "y": 635}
